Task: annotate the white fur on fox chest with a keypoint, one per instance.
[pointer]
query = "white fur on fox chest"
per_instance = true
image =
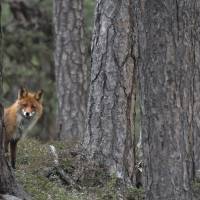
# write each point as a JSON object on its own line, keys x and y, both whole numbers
{"x": 23, "y": 126}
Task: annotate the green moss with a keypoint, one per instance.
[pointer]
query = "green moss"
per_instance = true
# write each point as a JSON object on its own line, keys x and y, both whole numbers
{"x": 108, "y": 192}
{"x": 36, "y": 173}
{"x": 32, "y": 159}
{"x": 135, "y": 194}
{"x": 112, "y": 191}
{"x": 41, "y": 188}
{"x": 31, "y": 154}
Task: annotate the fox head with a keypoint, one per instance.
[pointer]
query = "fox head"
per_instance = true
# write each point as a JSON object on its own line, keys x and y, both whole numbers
{"x": 30, "y": 103}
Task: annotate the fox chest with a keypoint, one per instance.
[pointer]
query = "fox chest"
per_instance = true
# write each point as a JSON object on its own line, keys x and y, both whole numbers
{"x": 23, "y": 127}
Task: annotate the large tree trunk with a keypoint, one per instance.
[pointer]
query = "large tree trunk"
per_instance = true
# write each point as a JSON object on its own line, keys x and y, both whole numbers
{"x": 109, "y": 135}
{"x": 70, "y": 68}
{"x": 195, "y": 128}
{"x": 168, "y": 78}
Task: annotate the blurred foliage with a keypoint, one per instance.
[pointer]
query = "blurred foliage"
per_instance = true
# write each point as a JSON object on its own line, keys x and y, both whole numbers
{"x": 28, "y": 54}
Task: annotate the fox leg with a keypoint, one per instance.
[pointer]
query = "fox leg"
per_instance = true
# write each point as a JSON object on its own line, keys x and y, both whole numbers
{"x": 6, "y": 150}
{"x": 13, "y": 149}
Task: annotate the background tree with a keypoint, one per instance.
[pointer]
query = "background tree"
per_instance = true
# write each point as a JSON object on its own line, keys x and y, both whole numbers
{"x": 109, "y": 135}
{"x": 28, "y": 62}
{"x": 70, "y": 67}
{"x": 168, "y": 72}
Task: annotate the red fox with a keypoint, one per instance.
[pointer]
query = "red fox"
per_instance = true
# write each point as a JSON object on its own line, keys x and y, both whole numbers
{"x": 20, "y": 117}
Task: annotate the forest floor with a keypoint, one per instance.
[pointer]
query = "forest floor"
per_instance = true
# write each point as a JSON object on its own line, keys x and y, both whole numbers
{"x": 72, "y": 179}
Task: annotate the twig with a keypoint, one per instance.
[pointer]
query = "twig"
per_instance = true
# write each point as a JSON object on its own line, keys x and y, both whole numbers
{"x": 64, "y": 176}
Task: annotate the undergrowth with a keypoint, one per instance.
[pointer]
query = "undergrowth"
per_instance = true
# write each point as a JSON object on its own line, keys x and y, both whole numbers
{"x": 35, "y": 172}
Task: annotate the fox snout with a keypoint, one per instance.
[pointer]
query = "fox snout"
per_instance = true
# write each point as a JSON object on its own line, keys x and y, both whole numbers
{"x": 27, "y": 113}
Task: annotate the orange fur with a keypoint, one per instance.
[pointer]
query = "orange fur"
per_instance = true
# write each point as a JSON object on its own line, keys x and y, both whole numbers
{"x": 20, "y": 117}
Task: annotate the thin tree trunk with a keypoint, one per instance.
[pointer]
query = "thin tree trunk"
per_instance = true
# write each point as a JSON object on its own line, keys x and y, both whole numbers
{"x": 6, "y": 177}
{"x": 70, "y": 68}
{"x": 109, "y": 135}
{"x": 167, "y": 74}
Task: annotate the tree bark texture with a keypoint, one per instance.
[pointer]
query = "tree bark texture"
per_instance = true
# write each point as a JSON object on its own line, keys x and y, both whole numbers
{"x": 170, "y": 91}
{"x": 70, "y": 68}
{"x": 109, "y": 135}
{"x": 195, "y": 42}
{"x": 6, "y": 177}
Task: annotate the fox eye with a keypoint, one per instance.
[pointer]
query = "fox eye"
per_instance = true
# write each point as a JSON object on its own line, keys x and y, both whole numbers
{"x": 24, "y": 105}
{"x": 33, "y": 107}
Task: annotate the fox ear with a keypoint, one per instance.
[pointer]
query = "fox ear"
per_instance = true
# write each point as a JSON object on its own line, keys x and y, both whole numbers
{"x": 22, "y": 93}
{"x": 39, "y": 95}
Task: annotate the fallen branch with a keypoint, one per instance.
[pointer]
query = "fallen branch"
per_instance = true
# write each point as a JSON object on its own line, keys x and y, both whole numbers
{"x": 62, "y": 174}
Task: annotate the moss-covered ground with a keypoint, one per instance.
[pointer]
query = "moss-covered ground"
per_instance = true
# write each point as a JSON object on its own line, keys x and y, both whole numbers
{"x": 37, "y": 174}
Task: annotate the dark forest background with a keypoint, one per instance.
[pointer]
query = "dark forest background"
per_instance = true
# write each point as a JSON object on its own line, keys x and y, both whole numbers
{"x": 28, "y": 54}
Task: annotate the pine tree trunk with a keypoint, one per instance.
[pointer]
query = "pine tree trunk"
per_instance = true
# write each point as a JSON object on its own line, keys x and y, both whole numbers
{"x": 109, "y": 135}
{"x": 195, "y": 127}
{"x": 168, "y": 80}
{"x": 70, "y": 68}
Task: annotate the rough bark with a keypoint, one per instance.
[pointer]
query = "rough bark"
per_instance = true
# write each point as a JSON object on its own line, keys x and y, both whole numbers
{"x": 195, "y": 128}
{"x": 169, "y": 86}
{"x": 109, "y": 134}
{"x": 70, "y": 67}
